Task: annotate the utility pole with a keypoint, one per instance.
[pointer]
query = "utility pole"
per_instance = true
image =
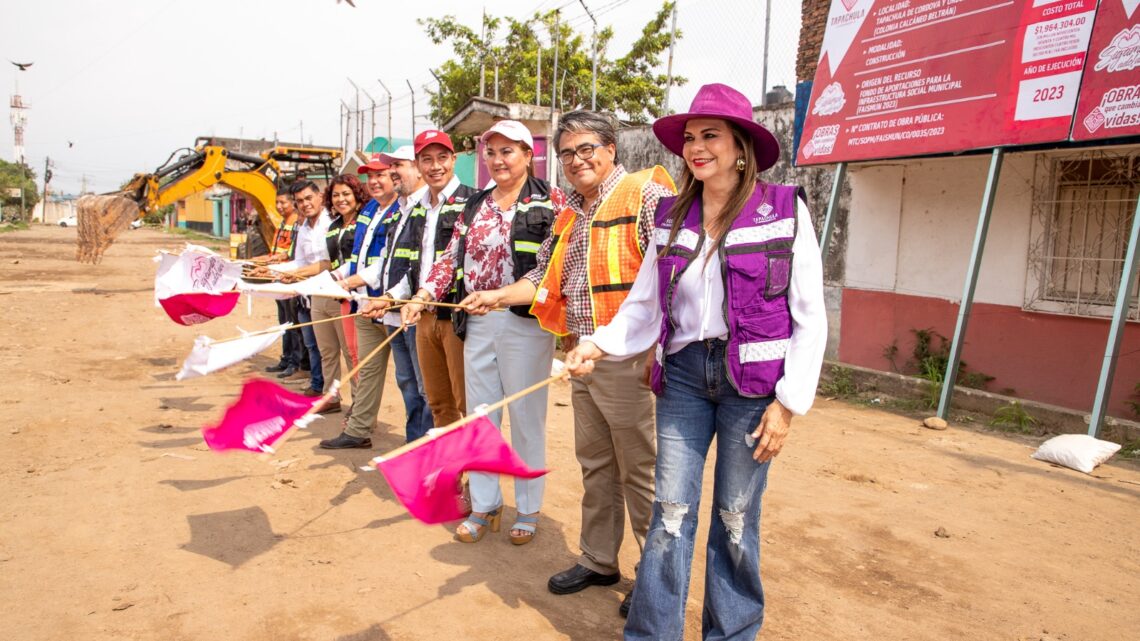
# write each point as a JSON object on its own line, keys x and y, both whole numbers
{"x": 47, "y": 179}
{"x": 594, "y": 70}
{"x": 385, "y": 87}
{"x": 302, "y": 132}
{"x": 483, "y": 56}
{"x": 412, "y": 89}
{"x": 372, "y": 117}
{"x": 347, "y": 124}
{"x": 669, "y": 73}
{"x": 538, "y": 78}
{"x": 767, "y": 31}
{"x": 359, "y": 117}
{"x": 554, "y": 78}
{"x": 439, "y": 82}
{"x": 496, "y": 79}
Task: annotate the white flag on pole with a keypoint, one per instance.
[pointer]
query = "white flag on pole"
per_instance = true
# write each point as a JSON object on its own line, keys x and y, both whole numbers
{"x": 208, "y": 357}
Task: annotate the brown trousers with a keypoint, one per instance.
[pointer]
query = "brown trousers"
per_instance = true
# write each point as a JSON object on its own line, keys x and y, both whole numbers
{"x": 615, "y": 441}
{"x": 441, "y": 361}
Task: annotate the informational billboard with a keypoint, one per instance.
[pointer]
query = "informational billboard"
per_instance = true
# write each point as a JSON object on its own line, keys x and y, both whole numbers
{"x": 912, "y": 77}
{"x": 1109, "y": 105}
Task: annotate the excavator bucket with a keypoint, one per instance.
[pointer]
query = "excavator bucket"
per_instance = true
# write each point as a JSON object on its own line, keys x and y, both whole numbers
{"x": 101, "y": 219}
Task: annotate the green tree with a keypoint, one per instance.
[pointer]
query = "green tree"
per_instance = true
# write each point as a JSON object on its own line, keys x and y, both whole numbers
{"x": 629, "y": 85}
{"x": 17, "y": 176}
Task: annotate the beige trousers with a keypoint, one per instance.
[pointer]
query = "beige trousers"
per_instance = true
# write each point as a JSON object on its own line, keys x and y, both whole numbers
{"x": 441, "y": 361}
{"x": 331, "y": 339}
{"x": 615, "y": 441}
{"x": 369, "y": 390}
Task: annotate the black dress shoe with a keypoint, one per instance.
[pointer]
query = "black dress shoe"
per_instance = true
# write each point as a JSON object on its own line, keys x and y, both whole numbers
{"x": 287, "y": 372}
{"x": 280, "y": 367}
{"x": 579, "y": 578}
{"x": 623, "y": 609}
{"x": 344, "y": 442}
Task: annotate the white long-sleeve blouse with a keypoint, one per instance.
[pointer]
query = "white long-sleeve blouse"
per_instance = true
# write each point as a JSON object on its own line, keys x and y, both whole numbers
{"x": 698, "y": 314}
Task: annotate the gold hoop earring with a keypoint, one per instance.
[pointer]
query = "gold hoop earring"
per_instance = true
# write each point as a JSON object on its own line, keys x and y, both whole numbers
{"x": 740, "y": 165}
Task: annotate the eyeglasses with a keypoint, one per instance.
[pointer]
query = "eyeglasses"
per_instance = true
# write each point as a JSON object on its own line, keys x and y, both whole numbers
{"x": 583, "y": 152}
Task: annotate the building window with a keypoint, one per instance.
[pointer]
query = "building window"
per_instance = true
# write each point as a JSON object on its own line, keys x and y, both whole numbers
{"x": 1083, "y": 206}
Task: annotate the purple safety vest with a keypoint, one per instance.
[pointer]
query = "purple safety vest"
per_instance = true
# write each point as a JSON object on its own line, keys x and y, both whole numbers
{"x": 756, "y": 268}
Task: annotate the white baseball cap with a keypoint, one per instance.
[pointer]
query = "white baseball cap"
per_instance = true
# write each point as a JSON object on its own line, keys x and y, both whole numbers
{"x": 512, "y": 130}
{"x": 401, "y": 153}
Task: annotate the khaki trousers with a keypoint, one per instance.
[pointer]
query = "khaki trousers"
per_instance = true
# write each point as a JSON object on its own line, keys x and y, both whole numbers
{"x": 441, "y": 362}
{"x": 369, "y": 390}
{"x": 331, "y": 339}
{"x": 615, "y": 443}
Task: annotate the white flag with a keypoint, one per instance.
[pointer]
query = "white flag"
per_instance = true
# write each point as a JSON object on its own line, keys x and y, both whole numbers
{"x": 196, "y": 270}
{"x": 208, "y": 357}
{"x": 323, "y": 284}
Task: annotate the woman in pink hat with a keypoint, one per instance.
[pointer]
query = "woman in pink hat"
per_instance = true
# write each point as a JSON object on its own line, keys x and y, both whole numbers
{"x": 733, "y": 302}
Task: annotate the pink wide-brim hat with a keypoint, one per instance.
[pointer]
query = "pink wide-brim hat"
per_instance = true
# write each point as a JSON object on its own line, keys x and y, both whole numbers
{"x": 723, "y": 102}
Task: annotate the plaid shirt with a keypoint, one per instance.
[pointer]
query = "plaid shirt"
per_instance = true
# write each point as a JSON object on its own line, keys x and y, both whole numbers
{"x": 575, "y": 280}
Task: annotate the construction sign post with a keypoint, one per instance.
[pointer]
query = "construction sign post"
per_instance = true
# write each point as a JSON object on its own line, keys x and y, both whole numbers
{"x": 915, "y": 77}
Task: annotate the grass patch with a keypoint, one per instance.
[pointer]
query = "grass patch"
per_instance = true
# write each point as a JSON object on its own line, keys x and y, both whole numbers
{"x": 840, "y": 383}
{"x": 1131, "y": 450}
{"x": 16, "y": 226}
{"x": 1013, "y": 418}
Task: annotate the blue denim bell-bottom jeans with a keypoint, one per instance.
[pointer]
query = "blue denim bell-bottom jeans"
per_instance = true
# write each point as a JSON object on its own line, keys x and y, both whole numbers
{"x": 699, "y": 403}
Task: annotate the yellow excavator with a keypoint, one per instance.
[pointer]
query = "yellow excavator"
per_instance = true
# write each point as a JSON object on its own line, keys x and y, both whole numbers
{"x": 102, "y": 218}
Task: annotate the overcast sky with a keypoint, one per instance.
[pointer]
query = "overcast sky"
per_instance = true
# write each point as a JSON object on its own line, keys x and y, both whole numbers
{"x": 130, "y": 81}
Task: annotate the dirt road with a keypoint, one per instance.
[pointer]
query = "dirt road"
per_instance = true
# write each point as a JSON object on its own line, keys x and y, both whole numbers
{"x": 117, "y": 523}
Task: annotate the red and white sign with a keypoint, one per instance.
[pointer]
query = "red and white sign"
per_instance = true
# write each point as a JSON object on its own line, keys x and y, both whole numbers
{"x": 912, "y": 77}
{"x": 1110, "y": 93}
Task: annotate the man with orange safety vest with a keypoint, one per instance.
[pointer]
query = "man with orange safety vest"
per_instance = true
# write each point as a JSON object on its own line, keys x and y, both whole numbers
{"x": 585, "y": 270}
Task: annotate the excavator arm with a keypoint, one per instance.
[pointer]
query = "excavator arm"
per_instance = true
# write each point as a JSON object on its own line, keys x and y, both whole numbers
{"x": 206, "y": 167}
{"x": 101, "y": 218}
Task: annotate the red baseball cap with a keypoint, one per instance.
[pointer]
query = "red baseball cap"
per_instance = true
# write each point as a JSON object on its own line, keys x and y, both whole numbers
{"x": 432, "y": 137}
{"x": 375, "y": 163}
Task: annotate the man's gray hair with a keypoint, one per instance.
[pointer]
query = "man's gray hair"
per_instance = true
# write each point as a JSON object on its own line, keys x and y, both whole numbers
{"x": 587, "y": 122}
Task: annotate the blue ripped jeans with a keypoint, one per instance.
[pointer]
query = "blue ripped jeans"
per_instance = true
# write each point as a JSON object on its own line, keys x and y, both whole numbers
{"x": 699, "y": 402}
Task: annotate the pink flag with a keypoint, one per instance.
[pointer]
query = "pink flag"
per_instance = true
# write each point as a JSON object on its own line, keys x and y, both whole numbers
{"x": 425, "y": 479}
{"x": 261, "y": 415}
{"x": 195, "y": 308}
{"x": 196, "y": 285}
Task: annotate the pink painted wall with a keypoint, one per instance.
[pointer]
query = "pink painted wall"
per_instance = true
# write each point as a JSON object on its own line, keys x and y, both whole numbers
{"x": 1044, "y": 357}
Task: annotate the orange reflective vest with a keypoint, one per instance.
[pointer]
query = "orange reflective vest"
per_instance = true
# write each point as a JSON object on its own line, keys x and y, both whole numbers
{"x": 613, "y": 255}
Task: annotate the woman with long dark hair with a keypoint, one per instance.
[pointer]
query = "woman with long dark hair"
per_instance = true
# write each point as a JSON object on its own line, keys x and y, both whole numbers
{"x": 733, "y": 301}
{"x": 343, "y": 199}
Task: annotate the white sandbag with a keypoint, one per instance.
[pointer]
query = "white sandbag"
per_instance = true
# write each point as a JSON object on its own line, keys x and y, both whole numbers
{"x": 1079, "y": 452}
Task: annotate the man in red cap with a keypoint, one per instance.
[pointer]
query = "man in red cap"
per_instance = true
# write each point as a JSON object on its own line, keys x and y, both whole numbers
{"x": 354, "y": 276}
{"x": 432, "y": 221}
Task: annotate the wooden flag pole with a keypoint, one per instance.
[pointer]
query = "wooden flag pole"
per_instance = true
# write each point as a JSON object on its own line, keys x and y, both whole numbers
{"x": 438, "y": 432}
{"x": 405, "y": 301}
{"x": 270, "y": 331}
{"x": 334, "y": 389}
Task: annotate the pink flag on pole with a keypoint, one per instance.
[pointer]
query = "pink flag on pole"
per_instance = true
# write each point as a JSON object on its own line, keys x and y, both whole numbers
{"x": 425, "y": 479}
{"x": 195, "y": 308}
{"x": 261, "y": 415}
{"x": 196, "y": 285}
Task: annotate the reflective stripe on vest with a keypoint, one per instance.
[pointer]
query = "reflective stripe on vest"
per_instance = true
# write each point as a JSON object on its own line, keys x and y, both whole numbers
{"x": 527, "y": 246}
{"x": 613, "y": 253}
